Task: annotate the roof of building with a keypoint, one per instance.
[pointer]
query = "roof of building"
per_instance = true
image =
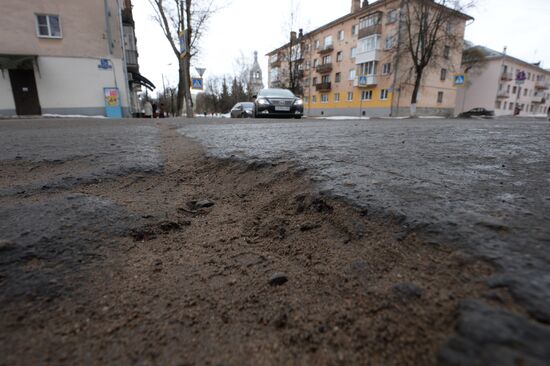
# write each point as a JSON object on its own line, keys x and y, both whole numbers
{"x": 491, "y": 54}
{"x": 363, "y": 11}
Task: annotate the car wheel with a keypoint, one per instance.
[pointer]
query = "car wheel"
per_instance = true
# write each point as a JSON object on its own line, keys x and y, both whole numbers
{"x": 297, "y": 117}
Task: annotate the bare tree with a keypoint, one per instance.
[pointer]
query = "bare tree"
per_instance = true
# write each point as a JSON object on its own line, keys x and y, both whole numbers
{"x": 428, "y": 35}
{"x": 185, "y": 18}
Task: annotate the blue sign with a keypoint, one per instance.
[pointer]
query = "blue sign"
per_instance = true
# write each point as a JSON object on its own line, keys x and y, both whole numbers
{"x": 362, "y": 80}
{"x": 459, "y": 79}
{"x": 196, "y": 83}
{"x": 104, "y": 64}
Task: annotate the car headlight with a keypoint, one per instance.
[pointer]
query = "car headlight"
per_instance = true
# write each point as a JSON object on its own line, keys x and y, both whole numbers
{"x": 262, "y": 101}
{"x": 298, "y": 102}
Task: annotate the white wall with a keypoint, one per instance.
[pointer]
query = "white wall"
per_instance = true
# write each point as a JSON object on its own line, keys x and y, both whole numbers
{"x": 7, "y": 104}
{"x": 75, "y": 85}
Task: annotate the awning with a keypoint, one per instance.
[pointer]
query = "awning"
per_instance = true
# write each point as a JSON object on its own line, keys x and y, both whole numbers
{"x": 20, "y": 62}
{"x": 137, "y": 78}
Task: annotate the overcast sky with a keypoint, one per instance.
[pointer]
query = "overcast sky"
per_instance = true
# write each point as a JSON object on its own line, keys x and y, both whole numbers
{"x": 242, "y": 26}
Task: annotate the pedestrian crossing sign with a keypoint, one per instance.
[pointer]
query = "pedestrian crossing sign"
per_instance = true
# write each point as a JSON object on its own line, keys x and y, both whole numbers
{"x": 196, "y": 83}
{"x": 459, "y": 79}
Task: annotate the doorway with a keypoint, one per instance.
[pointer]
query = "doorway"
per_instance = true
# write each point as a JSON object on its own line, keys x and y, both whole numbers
{"x": 25, "y": 94}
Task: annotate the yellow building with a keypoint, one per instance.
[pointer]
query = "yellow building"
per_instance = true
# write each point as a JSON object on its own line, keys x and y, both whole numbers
{"x": 358, "y": 65}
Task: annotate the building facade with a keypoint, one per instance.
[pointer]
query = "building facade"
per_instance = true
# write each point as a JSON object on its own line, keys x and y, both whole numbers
{"x": 65, "y": 57}
{"x": 356, "y": 66}
{"x": 505, "y": 84}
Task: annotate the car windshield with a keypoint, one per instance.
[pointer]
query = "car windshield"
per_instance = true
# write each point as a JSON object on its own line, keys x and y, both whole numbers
{"x": 248, "y": 105}
{"x": 276, "y": 93}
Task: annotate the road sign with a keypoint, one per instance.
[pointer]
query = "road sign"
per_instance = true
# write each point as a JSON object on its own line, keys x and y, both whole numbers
{"x": 363, "y": 80}
{"x": 196, "y": 83}
{"x": 200, "y": 70}
{"x": 104, "y": 64}
{"x": 459, "y": 79}
{"x": 520, "y": 77}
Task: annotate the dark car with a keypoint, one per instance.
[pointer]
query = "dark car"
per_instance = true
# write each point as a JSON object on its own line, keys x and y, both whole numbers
{"x": 278, "y": 102}
{"x": 477, "y": 112}
{"x": 243, "y": 110}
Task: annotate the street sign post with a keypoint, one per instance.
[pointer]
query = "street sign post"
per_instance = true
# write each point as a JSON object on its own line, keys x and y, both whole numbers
{"x": 196, "y": 83}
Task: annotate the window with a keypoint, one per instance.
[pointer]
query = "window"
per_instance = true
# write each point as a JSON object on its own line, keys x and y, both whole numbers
{"x": 350, "y": 96}
{"x": 449, "y": 28}
{"x": 511, "y": 106}
{"x": 353, "y": 52}
{"x": 392, "y": 16}
{"x": 368, "y": 68}
{"x": 316, "y": 44}
{"x": 440, "y": 97}
{"x": 504, "y": 105}
{"x": 339, "y": 56}
{"x": 351, "y": 74}
{"x": 366, "y": 95}
{"x": 315, "y": 62}
{"x": 325, "y": 79}
{"x": 443, "y": 74}
{"x": 389, "y": 42}
{"x": 384, "y": 94}
{"x": 338, "y": 77}
{"x": 508, "y": 88}
{"x": 307, "y": 47}
{"x": 314, "y": 99}
{"x": 314, "y": 80}
{"x": 306, "y": 99}
{"x": 48, "y": 26}
{"x": 328, "y": 41}
{"x": 324, "y": 98}
{"x": 447, "y": 52}
{"x": 525, "y": 92}
{"x": 327, "y": 59}
{"x": 386, "y": 69}
{"x": 369, "y": 43}
{"x": 497, "y": 104}
{"x": 336, "y": 97}
{"x": 341, "y": 35}
{"x": 354, "y": 30}
{"x": 369, "y": 21}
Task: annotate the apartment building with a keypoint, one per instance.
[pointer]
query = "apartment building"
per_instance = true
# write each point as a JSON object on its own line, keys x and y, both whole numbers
{"x": 356, "y": 65}
{"x": 67, "y": 57}
{"x": 509, "y": 86}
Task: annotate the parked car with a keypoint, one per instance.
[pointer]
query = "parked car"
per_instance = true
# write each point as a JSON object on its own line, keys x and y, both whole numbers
{"x": 478, "y": 112}
{"x": 278, "y": 102}
{"x": 242, "y": 110}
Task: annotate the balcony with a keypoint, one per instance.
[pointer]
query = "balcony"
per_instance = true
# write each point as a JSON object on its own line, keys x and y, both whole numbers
{"x": 131, "y": 58}
{"x": 127, "y": 17}
{"x": 363, "y": 81}
{"x": 326, "y": 49}
{"x": 363, "y": 57}
{"x": 507, "y": 76}
{"x": 541, "y": 85}
{"x": 323, "y": 87}
{"x": 502, "y": 94}
{"x": 370, "y": 30}
{"x": 324, "y": 69}
{"x": 538, "y": 100}
{"x": 276, "y": 62}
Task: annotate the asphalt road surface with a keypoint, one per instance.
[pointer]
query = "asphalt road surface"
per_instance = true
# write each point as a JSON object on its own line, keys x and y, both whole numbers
{"x": 480, "y": 185}
{"x": 483, "y": 185}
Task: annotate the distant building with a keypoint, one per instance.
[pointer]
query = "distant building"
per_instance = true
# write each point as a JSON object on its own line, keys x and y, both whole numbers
{"x": 255, "y": 80}
{"x": 58, "y": 56}
{"x": 355, "y": 65}
{"x": 505, "y": 84}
